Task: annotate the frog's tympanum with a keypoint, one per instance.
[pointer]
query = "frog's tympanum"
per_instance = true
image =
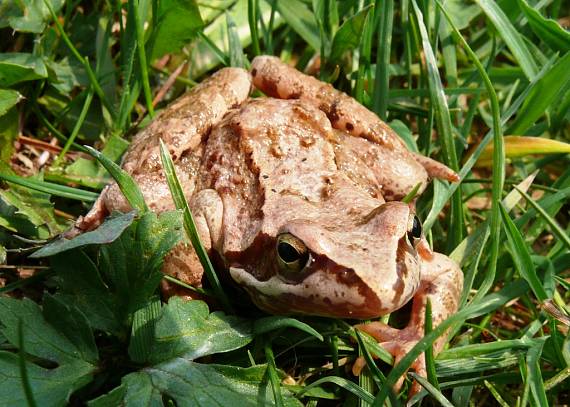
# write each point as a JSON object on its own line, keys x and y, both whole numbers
{"x": 298, "y": 196}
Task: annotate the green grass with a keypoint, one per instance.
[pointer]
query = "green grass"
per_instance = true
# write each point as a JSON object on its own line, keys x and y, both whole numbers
{"x": 459, "y": 81}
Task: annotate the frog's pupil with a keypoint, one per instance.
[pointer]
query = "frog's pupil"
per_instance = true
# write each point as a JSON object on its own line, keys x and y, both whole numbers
{"x": 287, "y": 252}
{"x": 416, "y": 228}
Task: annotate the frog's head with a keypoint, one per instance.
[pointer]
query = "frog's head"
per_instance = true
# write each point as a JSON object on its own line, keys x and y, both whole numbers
{"x": 342, "y": 265}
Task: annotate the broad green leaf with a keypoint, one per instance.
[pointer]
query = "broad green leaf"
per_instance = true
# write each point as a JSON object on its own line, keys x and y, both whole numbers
{"x": 546, "y": 29}
{"x": 521, "y": 146}
{"x": 543, "y": 93}
{"x": 9, "y": 123}
{"x": 195, "y": 384}
{"x": 71, "y": 322}
{"x": 142, "y": 331}
{"x": 521, "y": 256}
{"x": 511, "y": 36}
{"x": 27, "y": 15}
{"x": 51, "y": 388}
{"x": 132, "y": 264}
{"x": 20, "y": 67}
{"x": 176, "y": 24}
{"x": 187, "y": 329}
{"x": 348, "y": 35}
{"x": 23, "y": 204}
{"x": 41, "y": 338}
{"x": 108, "y": 232}
{"x": 81, "y": 284}
{"x": 8, "y": 99}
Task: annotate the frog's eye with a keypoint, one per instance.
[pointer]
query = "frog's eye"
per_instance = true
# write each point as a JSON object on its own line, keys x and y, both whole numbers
{"x": 415, "y": 230}
{"x": 292, "y": 253}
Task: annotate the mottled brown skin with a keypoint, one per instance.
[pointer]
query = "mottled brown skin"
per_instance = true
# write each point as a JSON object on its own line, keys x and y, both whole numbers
{"x": 312, "y": 164}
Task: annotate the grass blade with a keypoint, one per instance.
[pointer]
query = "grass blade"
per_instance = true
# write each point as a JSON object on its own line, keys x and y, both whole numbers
{"x": 190, "y": 226}
{"x": 51, "y": 188}
{"x": 511, "y": 36}
{"x": 23, "y": 370}
{"x": 252, "y": 18}
{"x": 76, "y": 128}
{"x": 546, "y": 29}
{"x": 381, "y": 81}
{"x": 269, "y": 324}
{"x": 433, "y": 390}
{"x": 546, "y": 91}
{"x": 555, "y": 227}
{"x": 143, "y": 63}
{"x": 438, "y": 102}
{"x": 345, "y": 384}
{"x": 521, "y": 256}
{"x": 521, "y": 146}
{"x": 127, "y": 185}
{"x": 272, "y": 373}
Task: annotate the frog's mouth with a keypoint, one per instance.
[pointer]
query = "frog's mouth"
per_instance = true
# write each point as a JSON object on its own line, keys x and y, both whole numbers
{"x": 341, "y": 294}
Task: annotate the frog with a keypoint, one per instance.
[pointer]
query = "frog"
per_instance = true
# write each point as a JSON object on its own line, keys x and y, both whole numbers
{"x": 298, "y": 196}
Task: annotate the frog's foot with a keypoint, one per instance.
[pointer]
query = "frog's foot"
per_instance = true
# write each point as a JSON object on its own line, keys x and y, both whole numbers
{"x": 435, "y": 169}
{"x": 398, "y": 342}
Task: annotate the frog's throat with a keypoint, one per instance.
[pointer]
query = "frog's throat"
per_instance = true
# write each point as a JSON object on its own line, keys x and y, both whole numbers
{"x": 318, "y": 294}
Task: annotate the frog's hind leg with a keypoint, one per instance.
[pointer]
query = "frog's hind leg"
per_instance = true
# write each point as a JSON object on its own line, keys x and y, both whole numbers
{"x": 441, "y": 284}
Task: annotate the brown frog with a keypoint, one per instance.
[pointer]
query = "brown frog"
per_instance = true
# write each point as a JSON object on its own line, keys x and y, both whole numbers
{"x": 297, "y": 194}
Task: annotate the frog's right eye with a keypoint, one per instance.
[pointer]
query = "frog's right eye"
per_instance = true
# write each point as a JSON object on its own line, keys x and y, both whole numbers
{"x": 292, "y": 254}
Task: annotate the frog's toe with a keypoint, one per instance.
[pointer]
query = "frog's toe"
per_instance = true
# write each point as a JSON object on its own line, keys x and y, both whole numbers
{"x": 398, "y": 343}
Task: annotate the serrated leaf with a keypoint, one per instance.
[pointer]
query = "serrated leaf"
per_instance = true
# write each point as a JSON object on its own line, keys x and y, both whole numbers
{"x": 186, "y": 328}
{"x": 348, "y": 35}
{"x": 41, "y": 339}
{"x": 195, "y": 384}
{"x": 27, "y": 15}
{"x": 176, "y": 24}
{"x": 50, "y": 387}
{"x": 20, "y": 67}
{"x": 521, "y": 146}
{"x": 546, "y": 29}
{"x": 132, "y": 264}
{"x": 108, "y": 232}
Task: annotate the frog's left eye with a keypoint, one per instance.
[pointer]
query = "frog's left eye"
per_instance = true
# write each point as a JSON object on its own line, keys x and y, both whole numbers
{"x": 415, "y": 230}
{"x": 292, "y": 253}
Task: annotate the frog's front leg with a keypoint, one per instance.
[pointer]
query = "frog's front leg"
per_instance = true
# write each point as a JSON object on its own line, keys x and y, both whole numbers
{"x": 441, "y": 284}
